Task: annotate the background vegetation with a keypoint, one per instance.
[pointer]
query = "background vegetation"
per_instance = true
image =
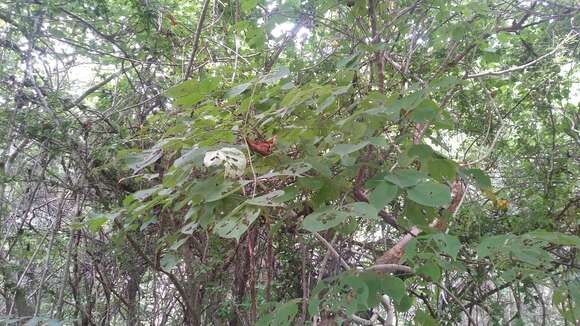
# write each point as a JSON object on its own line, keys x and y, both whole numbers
{"x": 315, "y": 162}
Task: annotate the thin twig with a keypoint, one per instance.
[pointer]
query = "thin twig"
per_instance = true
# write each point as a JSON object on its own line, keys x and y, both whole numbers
{"x": 198, "y": 29}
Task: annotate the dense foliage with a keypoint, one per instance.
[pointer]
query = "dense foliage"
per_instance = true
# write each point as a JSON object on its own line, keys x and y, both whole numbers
{"x": 285, "y": 162}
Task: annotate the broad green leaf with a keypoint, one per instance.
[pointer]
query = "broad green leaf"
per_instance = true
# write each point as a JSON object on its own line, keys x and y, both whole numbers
{"x": 489, "y": 245}
{"x": 213, "y": 189}
{"x": 145, "y": 193}
{"x": 169, "y": 261}
{"x": 442, "y": 169}
{"x": 183, "y": 89}
{"x": 294, "y": 170}
{"x": 556, "y": 238}
{"x": 139, "y": 161}
{"x": 323, "y": 220}
{"x": 448, "y": 244}
{"x": 422, "y": 152}
{"x": 94, "y": 224}
{"x": 267, "y": 199}
{"x": 423, "y": 318}
{"x": 275, "y": 76}
{"x": 345, "y": 149}
{"x": 425, "y": 111}
{"x": 406, "y": 178}
{"x": 430, "y": 271}
{"x": 248, "y": 5}
{"x": 359, "y": 293}
{"x": 419, "y": 214}
{"x": 383, "y": 194}
{"x": 237, "y": 90}
{"x": 283, "y": 315}
{"x": 430, "y": 194}
{"x": 364, "y": 210}
{"x": 236, "y": 225}
{"x": 189, "y": 100}
{"x": 193, "y": 156}
{"x": 394, "y": 288}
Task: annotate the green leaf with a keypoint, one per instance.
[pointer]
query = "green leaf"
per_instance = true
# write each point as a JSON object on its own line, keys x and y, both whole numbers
{"x": 556, "y": 238}
{"x": 169, "y": 261}
{"x": 419, "y": 214}
{"x": 275, "y": 76}
{"x": 383, "y": 194}
{"x": 430, "y": 194}
{"x": 406, "y": 178}
{"x": 283, "y": 315}
{"x": 425, "y": 111}
{"x": 364, "y": 210}
{"x": 448, "y": 244}
{"x": 193, "y": 156}
{"x": 442, "y": 169}
{"x": 394, "y": 288}
{"x": 489, "y": 245}
{"x": 145, "y": 193}
{"x": 94, "y": 224}
{"x": 323, "y": 220}
{"x": 267, "y": 199}
{"x": 237, "y": 90}
{"x": 359, "y": 293}
{"x": 236, "y": 225}
{"x": 482, "y": 180}
{"x": 424, "y": 319}
{"x": 345, "y": 149}
{"x": 182, "y": 89}
{"x": 422, "y": 152}
{"x": 248, "y": 5}
{"x": 213, "y": 189}
{"x": 430, "y": 271}
{"x": 139, "y": 161}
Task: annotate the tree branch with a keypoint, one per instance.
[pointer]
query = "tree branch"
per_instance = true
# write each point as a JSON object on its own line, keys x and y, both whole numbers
{"x": 198, "y": 29}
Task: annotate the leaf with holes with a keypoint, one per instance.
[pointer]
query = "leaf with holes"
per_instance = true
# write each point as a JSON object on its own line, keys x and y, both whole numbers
{"x": 323, "y": 220}
{"x": 269, "y": 199}
{"x": 236, "y": 225}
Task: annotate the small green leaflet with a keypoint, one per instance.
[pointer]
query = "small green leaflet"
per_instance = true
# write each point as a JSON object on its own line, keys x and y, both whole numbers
{"x": 430, "y": 194}
{"x": 323, "y": 220}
